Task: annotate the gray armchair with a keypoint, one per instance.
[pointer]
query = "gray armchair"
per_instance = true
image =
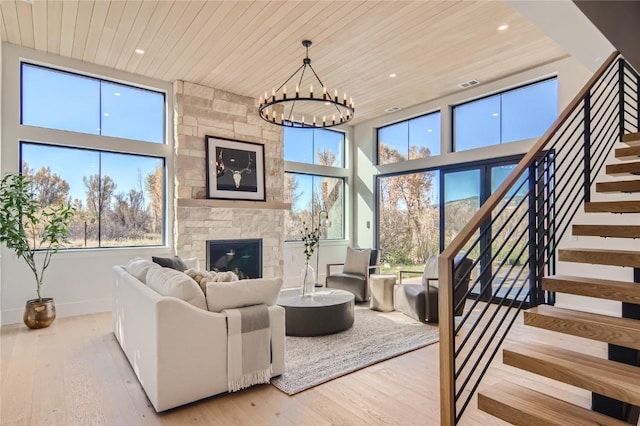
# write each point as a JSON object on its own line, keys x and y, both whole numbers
{"x": 420, "y": 301}
{"x": 358, "y": 265}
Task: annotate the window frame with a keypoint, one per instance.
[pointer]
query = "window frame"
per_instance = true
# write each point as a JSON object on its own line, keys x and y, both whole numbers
{"x": 344, "y": 173}
{"x": 13, "y": 131}
{"x": 307, "y": 129}
{"x": 452, "y": 124}
{"x": 35, "y": 64}
{"x": 407, "y": 120}
{"x": 164, "y": 237}
{"x": 313, "y": 214}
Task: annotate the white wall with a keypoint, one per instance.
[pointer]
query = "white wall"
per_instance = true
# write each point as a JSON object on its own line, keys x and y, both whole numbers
{"x": 572, "y": 75}
{"x": 79, "y": 280}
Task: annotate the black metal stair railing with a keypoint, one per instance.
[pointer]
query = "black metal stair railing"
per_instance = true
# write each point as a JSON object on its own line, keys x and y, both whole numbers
{"x": 512, "y": 239}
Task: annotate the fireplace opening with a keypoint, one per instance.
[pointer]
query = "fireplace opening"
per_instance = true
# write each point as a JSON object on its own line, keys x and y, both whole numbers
{"x": 243, "y": 257}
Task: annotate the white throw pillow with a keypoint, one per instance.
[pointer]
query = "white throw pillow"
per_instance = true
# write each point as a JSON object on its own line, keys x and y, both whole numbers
{"x": 192, "y": 263}
{"x": 237, "y": 294}
{"x": 169, "y": 282}
{"x": 138, "y": 267}
{"x": 357, "y": 261}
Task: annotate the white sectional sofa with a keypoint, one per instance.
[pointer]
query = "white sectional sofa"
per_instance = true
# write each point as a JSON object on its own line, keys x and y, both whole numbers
{"x": 177, "y": 351}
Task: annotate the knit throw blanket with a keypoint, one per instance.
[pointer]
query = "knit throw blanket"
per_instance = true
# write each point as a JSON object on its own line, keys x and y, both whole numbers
{"x": 248, "y": 346}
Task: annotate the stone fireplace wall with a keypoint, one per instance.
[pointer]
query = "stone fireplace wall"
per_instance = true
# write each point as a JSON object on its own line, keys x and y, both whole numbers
{"x": 200, "y": 111}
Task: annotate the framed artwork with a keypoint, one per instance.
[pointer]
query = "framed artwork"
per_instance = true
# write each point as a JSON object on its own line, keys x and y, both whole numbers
{"x": 235, "y": 169}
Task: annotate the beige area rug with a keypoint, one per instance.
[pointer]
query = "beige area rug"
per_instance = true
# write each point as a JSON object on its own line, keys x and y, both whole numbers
{"x": 374, "y": 337}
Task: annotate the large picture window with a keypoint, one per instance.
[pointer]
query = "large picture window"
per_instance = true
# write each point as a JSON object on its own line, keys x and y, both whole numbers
{"x": 411, "y": 139}
{"x": 119, "y": 198}
{"x": 309, "y": 195}
{"x": 62, "y": 100}
{"x": 518, "y": 114}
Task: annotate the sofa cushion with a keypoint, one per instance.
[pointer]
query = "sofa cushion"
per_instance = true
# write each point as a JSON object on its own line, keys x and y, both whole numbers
{"x": 169, "y": 282}
{"x": 192, "y": 263}
{"x": 138, "y": 267}
{"x": 170, "y": 262}
{"x": 205, "y": 277}
{"x": 237, "y": 294}
{"x": 357, "y": 261}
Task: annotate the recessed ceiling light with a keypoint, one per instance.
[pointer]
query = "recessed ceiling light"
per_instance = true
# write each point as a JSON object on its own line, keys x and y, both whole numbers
{"x": 116, "y": 94}
{"x": 393, "y": 75}
{"x": 429, "y": 130}
{"x": 106, "y": 114}
{"x": 495, "y": 114}
{"x": 392, "y": 109}
{"x": 327, "y": 103}
{"x": 503, "y": 27}
{"x": 139, "y": 51}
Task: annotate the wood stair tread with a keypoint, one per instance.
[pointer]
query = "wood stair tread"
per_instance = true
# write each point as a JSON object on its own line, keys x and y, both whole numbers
{"x": 618, "y": 331}
{"x": 621, "y": 291}
{"x": 630, "y": 153}
{"x": 631, "y": 168}
{"x": 615, "y": 231}
{"x": 628, "y": 258}
{"x": 613, "y": 379}
{"x": 612, "y": 207}
{"x": 619, "y": 186}
{"x": 631, "y": 139}
{"x": 521, "y": 406}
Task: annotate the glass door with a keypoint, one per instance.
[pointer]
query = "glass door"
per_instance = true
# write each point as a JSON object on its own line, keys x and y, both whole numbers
{"x": 510, "y": 246}
{"x": 503, "y": 265}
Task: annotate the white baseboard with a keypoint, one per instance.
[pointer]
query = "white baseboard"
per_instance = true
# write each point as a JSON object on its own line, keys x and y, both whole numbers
{"x": 14, "y": 316}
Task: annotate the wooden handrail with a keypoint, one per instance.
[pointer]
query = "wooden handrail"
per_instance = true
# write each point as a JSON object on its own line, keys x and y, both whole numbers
{"x": 445, "y": 261}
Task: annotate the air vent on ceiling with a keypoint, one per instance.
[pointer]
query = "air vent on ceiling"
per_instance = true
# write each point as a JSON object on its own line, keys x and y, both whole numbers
{"x": 392, "y": 109}
{"x": 468, "y": 83}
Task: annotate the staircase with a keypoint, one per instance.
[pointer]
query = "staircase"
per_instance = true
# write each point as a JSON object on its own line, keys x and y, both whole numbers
{"x": 522, "y": 406}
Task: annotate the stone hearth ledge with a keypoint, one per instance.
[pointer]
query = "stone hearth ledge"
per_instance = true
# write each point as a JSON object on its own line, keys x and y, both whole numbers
{"x": 237, "y": 204}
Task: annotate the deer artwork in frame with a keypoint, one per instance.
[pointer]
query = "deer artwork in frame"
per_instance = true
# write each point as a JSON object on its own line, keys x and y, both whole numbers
{"x": 235, "y": 169}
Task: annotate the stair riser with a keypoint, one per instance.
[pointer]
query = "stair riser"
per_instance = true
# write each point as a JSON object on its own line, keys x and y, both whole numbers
{"x": 628, "y": 338}
{"x": 613, "y": 231}
{"x": 630, "y": 260}
{"x": 576, "y": 378}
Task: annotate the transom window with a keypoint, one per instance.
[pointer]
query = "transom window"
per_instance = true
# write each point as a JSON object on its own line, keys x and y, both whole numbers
{"x": 411, "y": 139}
{"x": 62, "y": 100}
{"x": 518, "y": 114}
{"x": 314, "y": 146}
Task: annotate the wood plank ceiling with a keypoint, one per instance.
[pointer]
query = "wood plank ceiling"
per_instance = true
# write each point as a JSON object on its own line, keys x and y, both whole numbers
{"x": 249, "y": 47}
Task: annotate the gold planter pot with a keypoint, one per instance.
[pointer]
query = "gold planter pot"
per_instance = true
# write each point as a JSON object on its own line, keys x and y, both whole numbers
{"x": 39, "y": 313}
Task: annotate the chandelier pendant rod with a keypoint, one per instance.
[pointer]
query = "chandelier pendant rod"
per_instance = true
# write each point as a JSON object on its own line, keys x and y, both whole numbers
{"x": 291, "y": 76}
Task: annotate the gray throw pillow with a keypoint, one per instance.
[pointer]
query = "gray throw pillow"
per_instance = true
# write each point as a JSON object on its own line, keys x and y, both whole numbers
{"x": 357, "y": 261}
{"x": 170, "y": 262}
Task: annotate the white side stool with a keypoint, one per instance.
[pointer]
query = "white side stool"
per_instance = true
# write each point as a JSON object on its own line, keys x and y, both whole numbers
{"x": 381, "y": 287}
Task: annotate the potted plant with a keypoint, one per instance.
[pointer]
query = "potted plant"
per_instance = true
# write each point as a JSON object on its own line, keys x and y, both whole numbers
{"x": 34, "y": 233}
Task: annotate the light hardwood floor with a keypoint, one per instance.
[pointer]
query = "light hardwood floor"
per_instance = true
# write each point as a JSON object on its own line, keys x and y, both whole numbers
{"x": 74, "y": 373}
